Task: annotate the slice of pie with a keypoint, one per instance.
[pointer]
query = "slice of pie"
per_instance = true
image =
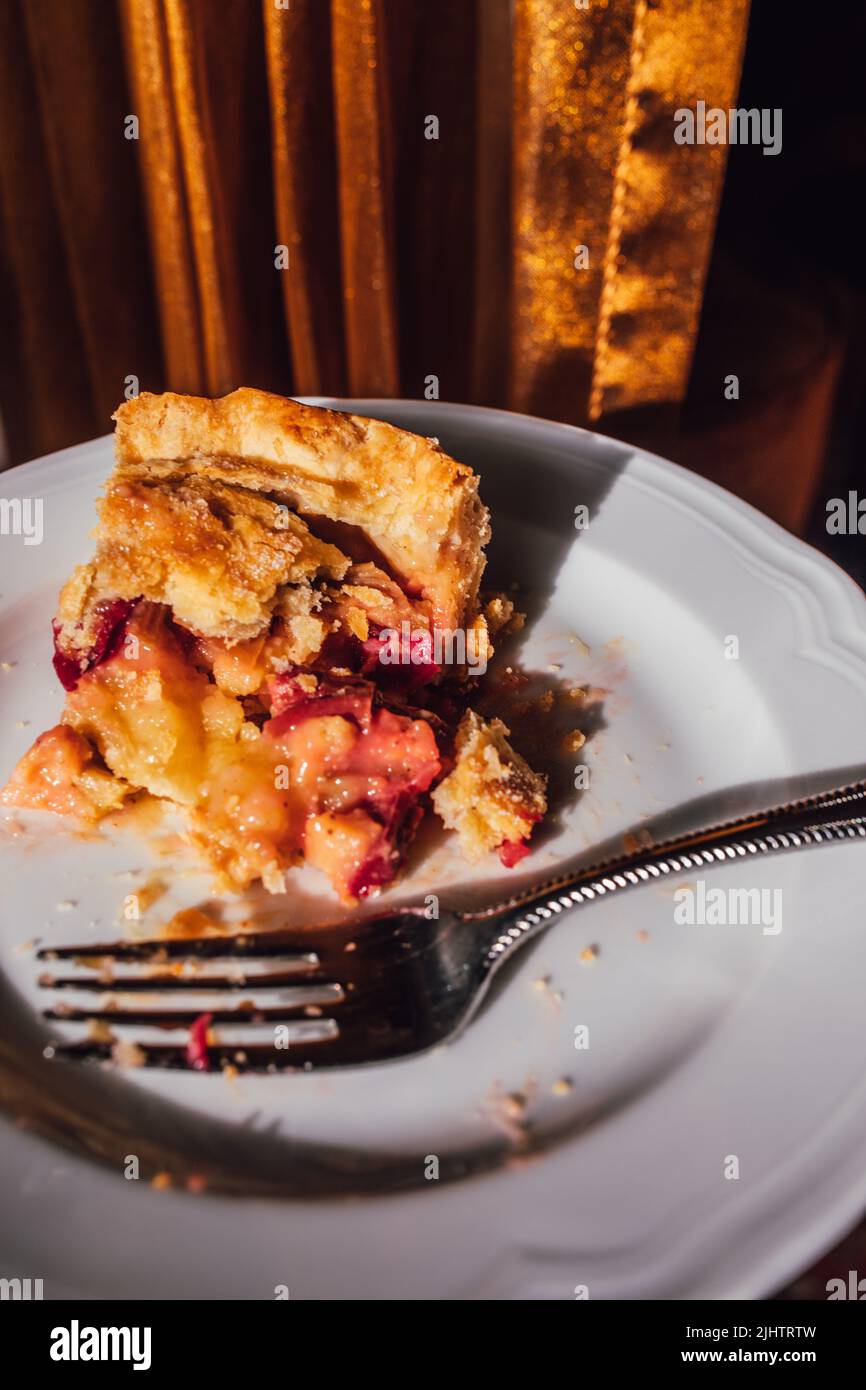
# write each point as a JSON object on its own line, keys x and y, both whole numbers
{"x": 266, "y": 638}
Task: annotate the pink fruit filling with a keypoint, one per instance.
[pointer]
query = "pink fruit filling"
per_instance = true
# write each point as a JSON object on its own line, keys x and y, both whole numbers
{"x": 196, "y": 1049}
{"x": 108, "y": 629}
{"x": 368, "y": 796}
{"x": 512, "y": 851}
{"x": 415, "y": 665}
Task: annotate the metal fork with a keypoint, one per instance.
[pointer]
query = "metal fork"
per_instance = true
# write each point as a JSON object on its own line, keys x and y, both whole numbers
{"x": 376, "y": 989}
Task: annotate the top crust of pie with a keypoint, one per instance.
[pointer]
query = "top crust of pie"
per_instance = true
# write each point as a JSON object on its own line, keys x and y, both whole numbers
{"x": 222, "y": 558}
{"x": 419, "y": 507}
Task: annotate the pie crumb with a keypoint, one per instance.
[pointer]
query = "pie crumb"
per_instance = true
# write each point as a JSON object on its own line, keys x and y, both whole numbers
{"x": 127, "y": 1054}
{"x": 190, "y": 923}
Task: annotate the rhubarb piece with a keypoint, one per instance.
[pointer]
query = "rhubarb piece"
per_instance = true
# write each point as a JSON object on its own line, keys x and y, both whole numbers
{"x": 196, "y": 1049}
{"x": 84, "y": 646}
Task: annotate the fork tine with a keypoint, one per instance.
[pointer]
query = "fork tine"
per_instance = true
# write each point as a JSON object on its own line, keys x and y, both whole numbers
{"x": 325, "y": 1055}
{"x": 332, "y": 1045}
{"x": 350, "y": 1039}
{"x": 276, "y": 943}
{"x": 245, "y": 1012}
{"x": 256, "y": 1057}
{"x": 173, "y": 984}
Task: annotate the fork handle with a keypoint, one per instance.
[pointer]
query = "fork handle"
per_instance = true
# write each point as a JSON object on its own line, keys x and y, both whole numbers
{"x": 832, "y": 816}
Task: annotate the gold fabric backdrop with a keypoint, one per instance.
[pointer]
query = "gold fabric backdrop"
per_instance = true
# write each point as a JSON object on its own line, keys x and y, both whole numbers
{"x": 306, "y": 125}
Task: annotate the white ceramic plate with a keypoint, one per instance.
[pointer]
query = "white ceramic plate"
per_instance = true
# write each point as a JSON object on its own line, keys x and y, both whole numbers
{"x": 705, "y": 1041}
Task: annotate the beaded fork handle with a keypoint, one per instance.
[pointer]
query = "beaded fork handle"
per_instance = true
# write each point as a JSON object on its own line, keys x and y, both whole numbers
{"x": 833, "y": 816}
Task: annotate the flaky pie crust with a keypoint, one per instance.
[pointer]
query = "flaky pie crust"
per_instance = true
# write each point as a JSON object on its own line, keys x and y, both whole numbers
{"x": 419, "y": 507}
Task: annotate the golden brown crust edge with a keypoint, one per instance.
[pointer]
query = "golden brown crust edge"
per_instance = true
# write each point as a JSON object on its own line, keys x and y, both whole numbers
{"x": 417, "y": 505}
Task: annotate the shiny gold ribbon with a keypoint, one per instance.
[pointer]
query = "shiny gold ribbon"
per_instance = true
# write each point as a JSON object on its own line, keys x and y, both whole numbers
{"x": 596, "y": 167}
{"x": 665, "y": 201}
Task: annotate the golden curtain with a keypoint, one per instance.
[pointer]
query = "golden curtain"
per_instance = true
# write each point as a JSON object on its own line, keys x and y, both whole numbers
{"x": 354, "y": 197}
